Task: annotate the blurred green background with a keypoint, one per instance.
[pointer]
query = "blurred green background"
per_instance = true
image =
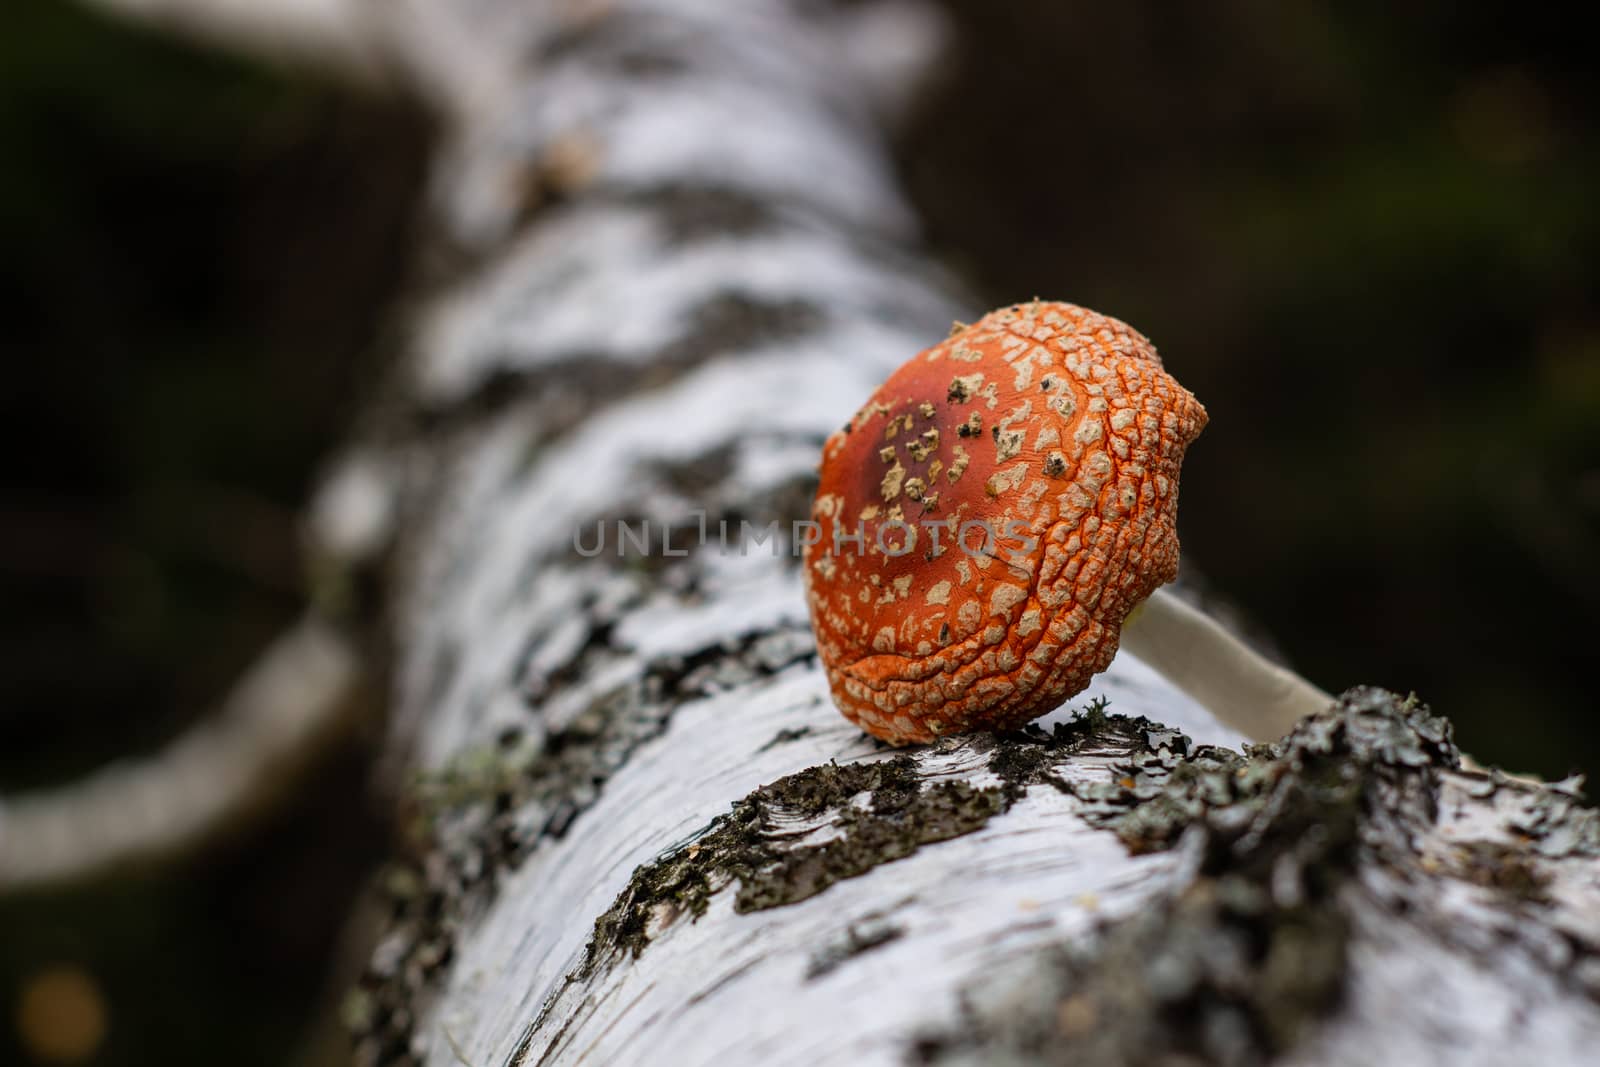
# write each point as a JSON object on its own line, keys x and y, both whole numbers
{"x": 196, "y": 256}
{"x": 1365, "y": 237}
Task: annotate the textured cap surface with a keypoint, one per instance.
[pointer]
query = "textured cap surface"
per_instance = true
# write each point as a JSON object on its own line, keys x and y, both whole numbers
{"x": 989, "y": 518}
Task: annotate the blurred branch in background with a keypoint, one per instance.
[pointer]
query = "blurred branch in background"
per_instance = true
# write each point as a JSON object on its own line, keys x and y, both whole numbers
{"x": 296, "y": 700}
{"x": 335, "y": 33}
{"x": 199, "y": 252}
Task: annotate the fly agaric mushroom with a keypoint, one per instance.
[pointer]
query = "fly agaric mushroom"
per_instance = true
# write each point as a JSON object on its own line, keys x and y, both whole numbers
{"x": 1001, "y": 512}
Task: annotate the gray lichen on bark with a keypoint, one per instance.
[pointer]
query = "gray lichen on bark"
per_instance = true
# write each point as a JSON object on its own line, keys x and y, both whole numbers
{"x": 1235, "y": 964}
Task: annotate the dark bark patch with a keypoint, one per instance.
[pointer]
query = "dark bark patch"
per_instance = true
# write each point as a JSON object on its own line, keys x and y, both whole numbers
{"x": 875, "y": 813}
{"x": 1561, "y": 825}
{"x": 697, "y": 477}
{"x": 1503, "y": 867}
{"x": 733, "y": 321}
{"x": 631, "y": 46}
{"x": 733, "y": 518}
{"x": 859, "y": 937}
{"x": 564, "y": 392}
{"x": 786, "y": 735}
{"x": 688, "y": 214}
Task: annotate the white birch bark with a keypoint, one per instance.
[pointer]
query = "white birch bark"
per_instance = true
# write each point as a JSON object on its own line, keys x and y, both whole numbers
{"x": 689, "y": 262}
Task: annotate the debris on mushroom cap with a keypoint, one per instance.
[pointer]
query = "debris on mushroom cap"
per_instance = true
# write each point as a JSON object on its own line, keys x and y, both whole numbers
{"x": 991, "y": 515}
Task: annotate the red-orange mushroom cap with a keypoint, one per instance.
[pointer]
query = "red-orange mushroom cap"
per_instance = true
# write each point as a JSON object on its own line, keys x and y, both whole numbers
{"x": 989, "y": 518}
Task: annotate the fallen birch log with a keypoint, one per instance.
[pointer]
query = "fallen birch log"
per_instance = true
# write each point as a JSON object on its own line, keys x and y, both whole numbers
{"x": 643, "y": 833}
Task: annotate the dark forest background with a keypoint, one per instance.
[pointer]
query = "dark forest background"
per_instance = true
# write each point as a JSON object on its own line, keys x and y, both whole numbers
{"x": 1366, "y": 238}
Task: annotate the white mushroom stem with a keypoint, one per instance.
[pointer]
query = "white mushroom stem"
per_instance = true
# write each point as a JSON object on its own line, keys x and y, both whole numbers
{"x": 1203, "y": 658}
